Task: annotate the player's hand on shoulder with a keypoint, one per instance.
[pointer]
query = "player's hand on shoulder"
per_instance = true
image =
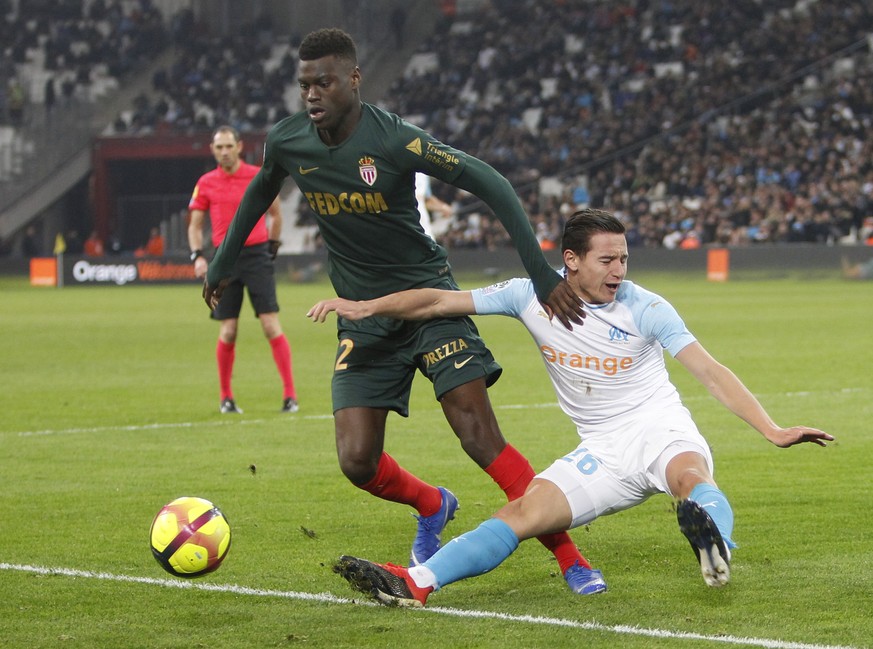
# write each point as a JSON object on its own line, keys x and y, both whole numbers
{"x": 565, "y": 305}
{"x": 785, "y": 437}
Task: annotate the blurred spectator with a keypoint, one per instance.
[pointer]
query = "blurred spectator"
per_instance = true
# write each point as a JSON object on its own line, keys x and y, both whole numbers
{"x": 15, "y": 101}
{"x": 691, "y": 241}
{"x": 4, "y": 102}
{"x": 93, "y": 245}
{"x": 154, "y": 247}
{"x": 72, "y": 243}
{"x": 49, "y": 98}
{"x": 30, "y": 245}
{"x": 857, "y": 271}
{"x": 114, "y": 244}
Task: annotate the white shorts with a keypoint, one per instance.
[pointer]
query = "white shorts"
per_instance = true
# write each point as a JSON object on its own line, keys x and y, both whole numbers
{"x": 614, "y": 469}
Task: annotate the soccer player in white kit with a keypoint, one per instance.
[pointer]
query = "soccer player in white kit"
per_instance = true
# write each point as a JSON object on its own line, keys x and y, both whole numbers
{"x": 637, "y": 438}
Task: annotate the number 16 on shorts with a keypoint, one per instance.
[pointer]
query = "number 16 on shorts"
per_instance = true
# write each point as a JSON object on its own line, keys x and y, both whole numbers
{"x": 585, "y": 463}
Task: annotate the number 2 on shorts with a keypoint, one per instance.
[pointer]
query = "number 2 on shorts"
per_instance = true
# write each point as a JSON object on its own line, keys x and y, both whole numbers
{"x": 347, "y": 344}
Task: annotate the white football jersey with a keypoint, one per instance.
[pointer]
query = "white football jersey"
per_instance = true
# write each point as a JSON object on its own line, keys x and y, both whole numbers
{"x": 611, "y": 365}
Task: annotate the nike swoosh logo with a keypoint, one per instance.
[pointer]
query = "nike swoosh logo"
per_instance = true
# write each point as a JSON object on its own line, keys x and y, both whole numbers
{"x": 303, "y": 171}
{"x": 460, "y": 364}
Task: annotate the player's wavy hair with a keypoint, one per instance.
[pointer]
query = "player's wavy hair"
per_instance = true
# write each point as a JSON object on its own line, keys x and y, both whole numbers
{"x": 584, "y": 224}
{"x": 328, "y": 42}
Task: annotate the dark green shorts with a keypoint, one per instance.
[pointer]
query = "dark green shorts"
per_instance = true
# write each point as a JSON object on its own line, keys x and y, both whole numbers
{"x": 377, "y": 358}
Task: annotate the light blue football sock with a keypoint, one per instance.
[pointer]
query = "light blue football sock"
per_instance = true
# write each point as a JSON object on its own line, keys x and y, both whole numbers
{"x": 473, "y": 553}
{"x": 716, "y": 504}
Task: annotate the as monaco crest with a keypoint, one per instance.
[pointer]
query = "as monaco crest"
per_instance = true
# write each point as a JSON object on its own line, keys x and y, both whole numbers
{"x": 368, "y": 170}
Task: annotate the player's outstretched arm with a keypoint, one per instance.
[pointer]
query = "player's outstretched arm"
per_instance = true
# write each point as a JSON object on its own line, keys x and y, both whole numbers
{"x": 415, "y": 304}
{"x": 484, "y": 181}
{"x": 724, "y": 385}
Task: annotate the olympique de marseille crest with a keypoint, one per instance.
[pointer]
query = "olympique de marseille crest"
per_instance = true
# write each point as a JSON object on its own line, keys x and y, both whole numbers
{"x": 368, "y": 170}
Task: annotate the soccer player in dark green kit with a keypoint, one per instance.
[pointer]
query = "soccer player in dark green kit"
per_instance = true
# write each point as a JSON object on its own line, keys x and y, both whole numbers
{"x": 355, "y": 164}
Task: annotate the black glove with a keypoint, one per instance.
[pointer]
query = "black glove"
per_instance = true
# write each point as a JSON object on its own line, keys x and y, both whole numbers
{"x": 274, "y": 244}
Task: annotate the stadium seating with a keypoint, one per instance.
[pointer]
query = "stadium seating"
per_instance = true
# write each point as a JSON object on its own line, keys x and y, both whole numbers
{"x": 669, "y": 112}
{"x": 722, "y": 123}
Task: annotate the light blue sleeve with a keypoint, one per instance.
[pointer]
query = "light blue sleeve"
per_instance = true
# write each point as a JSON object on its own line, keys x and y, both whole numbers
{"x": 504, "y": 298}
{"x": 657, "y": 318}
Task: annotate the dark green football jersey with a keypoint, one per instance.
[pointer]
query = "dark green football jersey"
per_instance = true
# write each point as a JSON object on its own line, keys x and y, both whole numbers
{"x": 363, "y": 195}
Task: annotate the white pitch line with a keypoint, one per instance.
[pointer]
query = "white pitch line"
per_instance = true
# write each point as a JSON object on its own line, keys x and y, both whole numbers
{"x": 204, "y": 424}
{"x": 140, "y": 427}
{"x": 250, "y": 422}
{"x": 619, "y": 629}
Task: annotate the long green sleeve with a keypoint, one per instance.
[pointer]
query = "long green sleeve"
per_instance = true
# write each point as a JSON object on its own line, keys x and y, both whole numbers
{"x": 260, "y": 194}
{"x": 482, "y": 180}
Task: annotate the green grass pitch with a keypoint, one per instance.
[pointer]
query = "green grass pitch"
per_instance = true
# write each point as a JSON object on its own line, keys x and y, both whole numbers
{"x": 109, "y": 410}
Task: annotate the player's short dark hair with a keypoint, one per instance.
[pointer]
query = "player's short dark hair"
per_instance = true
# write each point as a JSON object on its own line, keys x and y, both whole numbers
{"x": 328, "y": 42}
{"x": 584, "y": 224}
{"x": 227, "y": 128}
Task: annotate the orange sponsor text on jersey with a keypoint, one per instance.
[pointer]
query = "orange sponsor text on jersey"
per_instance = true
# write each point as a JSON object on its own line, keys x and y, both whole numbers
{"x": 610, "y": 365}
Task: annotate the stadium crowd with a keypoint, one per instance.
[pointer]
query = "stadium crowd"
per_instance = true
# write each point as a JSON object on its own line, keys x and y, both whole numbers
{"x": 79, "y": 48}
{"x": 696, "y": 122}
{"x": 235, "y": 79}
{"x": 58, "y": 60}
{"x": 75, "y": 47}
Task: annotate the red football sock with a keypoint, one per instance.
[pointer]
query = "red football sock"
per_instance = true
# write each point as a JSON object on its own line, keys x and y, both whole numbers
{"x": 225, "y": 354}
{"x": 394, "y": 483}
{"x": 282, "y": 357}
{"x": 513, "y": 473}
